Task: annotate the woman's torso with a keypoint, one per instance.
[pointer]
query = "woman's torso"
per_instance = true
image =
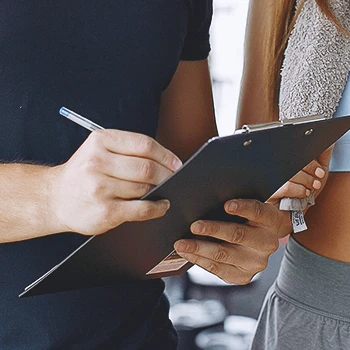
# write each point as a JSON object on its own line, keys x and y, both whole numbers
{"x": 328, "y": 221}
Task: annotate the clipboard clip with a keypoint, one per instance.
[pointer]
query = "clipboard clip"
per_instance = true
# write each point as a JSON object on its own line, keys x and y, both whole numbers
{"x": 246, "y": 129}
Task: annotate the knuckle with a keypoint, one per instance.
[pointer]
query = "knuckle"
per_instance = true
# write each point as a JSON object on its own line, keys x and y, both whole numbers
{"x": 258, "y": 210}
{"x": 145, "y": 145}
{"x": 227, "y": 279}
{"x": 213, "y": 227}
{"x": 104, "y": 214}
{"x": 113, "y": 218}
{"x": 167, "y": 159}
{"x": 107, "y": 215}
{"x": 221, "y": 255}
{"x": 214, "y": 268}
{"x": 93, "y": 164}
{"x": 147, "y": 170}
{"x": 244, "y": 280}
{"x": 141, "y": 189}
{"x": 227, "y": 276}
{"x": 195, "y": 248}
{"x": 263, "y": 265}
{"x": 238, "y": 235}
{"x": 260, "y": 265}
{"x": 96, "y": 137}
{"x": 147, "y": 211}
{"x": 96, "y": 189}
{"x": 273, "y": 246}
{"x": 298, "y": 192}
{"x": 287, "y": 187}
{"x": 195, "y": 260}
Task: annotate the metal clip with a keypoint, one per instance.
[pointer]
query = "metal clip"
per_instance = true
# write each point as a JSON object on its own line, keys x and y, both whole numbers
{"x": 272, "y": 125}
{"x": 311, "y": 118}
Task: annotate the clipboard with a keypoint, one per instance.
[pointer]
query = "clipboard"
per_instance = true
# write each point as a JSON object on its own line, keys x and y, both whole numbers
{"x": 251, "y": 164}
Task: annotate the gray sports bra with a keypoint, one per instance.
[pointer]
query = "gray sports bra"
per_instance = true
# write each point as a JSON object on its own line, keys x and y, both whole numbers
{"x": 340, "y": 161}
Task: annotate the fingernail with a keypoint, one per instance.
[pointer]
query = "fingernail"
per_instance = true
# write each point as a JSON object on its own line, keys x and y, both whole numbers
{"x": 320, "y": 173}
{"x": 180, "y": 246}
{"x": 177, "y": 163}
{"x": 232, "y": 207}
{"x": 198, "y": 228}
{"x": 307, "y": 192}
{"x": 316, "y": 185}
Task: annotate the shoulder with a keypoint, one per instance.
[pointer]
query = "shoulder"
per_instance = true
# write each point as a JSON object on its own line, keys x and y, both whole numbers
{"x": 197, "y": 44}
{"x": 200, "y": 10}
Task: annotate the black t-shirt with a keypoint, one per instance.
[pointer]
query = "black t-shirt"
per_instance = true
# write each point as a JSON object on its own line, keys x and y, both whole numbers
{"x": 109, "y": 61}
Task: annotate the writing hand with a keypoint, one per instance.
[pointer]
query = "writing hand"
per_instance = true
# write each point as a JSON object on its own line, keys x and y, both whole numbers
{"x": 100, "y": 186}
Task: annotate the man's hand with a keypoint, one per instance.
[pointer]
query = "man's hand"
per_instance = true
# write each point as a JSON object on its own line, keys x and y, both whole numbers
{"x": 100, "y": 186}
{"x": 243, "y": 249}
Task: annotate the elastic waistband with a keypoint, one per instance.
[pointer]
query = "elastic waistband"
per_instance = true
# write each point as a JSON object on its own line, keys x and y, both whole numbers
{"x": 314, "y": 280}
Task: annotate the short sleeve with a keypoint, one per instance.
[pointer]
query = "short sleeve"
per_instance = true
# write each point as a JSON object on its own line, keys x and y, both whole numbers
{"x": 197, "y": 46}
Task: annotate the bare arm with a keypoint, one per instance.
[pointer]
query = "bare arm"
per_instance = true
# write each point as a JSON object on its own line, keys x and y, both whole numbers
{"x": 95, "y": 191}
{"x": 98, "y": 188}
{"x": 251, "y": 106}
{"x": 187, "y": 115}
{"x": 25, "y": 202}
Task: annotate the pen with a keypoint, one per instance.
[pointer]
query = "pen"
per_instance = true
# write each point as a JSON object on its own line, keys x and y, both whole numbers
{"x": 76, "y": 118}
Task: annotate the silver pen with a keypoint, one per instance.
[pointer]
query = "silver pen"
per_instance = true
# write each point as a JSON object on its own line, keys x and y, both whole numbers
{"x": 82, "y": 121}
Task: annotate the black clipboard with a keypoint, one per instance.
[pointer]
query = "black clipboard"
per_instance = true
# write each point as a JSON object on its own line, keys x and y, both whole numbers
{"x": 251, "y": 164}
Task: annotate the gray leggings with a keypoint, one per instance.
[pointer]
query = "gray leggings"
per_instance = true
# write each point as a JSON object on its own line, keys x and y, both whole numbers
{"x": 308, "y": 307}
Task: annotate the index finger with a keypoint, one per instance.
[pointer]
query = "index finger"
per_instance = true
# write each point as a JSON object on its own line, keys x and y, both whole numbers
{"x": 237, "y": 234}
{"x": 138, "y": 145}
{"x": 257, "y": 212}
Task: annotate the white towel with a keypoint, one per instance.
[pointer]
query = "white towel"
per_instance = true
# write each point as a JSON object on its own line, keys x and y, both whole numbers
{"x": 314, "y": 73}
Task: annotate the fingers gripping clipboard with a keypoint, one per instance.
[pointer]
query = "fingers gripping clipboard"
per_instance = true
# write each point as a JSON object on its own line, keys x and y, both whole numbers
{"x": 251, "y": 164}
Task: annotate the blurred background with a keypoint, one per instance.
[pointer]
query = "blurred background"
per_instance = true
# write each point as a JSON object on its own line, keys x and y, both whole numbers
{"x": 226, "y": 59}
{"x": 208, "y": 313}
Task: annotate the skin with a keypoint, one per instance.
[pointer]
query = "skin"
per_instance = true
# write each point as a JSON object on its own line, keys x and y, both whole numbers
{"x": 98, "y": 187}
{"x": 328, "y": 221}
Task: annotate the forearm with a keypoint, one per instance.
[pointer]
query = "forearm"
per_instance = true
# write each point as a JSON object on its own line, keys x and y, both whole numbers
{"x": 186, "y": 117}
{"x": 25, "y": 202}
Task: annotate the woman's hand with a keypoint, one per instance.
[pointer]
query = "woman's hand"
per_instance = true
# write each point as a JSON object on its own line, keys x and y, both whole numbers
{"x": 313, "y": 177}
{"x": 99, "y": 187}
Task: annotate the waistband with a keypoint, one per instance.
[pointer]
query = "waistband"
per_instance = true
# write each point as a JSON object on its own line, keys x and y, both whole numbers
{"x": 315, "y": 281}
